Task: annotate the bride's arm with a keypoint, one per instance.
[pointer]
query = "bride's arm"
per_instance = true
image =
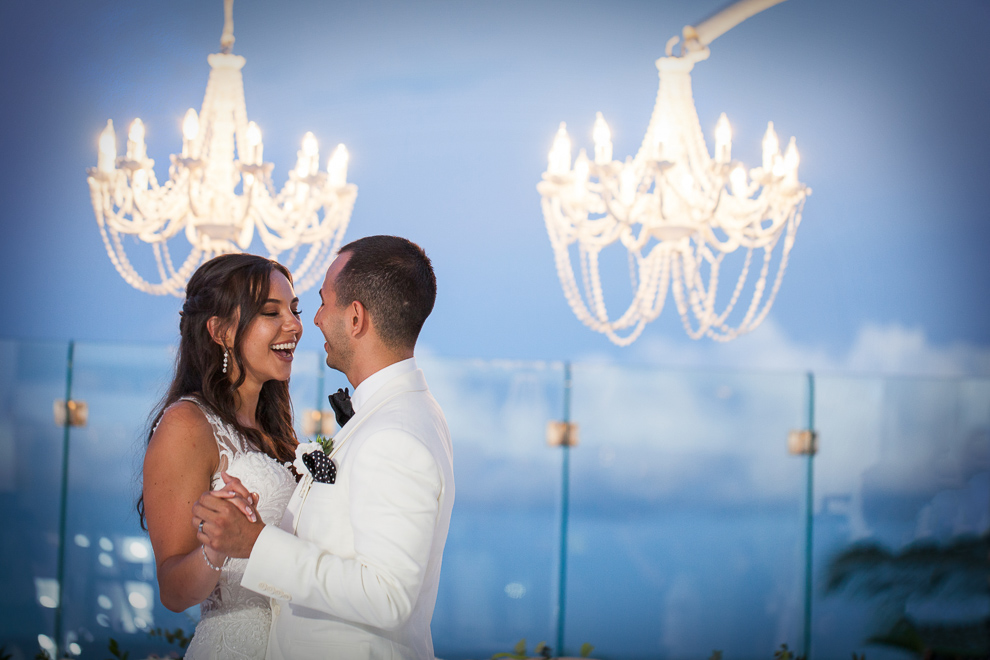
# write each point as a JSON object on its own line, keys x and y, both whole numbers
{"x": 181, "y": 458}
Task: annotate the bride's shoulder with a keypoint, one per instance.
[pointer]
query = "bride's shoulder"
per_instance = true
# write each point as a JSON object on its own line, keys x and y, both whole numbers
{"x": 184, "y": 426}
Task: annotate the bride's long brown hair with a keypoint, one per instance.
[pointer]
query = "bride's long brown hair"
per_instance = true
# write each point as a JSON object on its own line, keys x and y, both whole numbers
{"x": 233, "y": 288}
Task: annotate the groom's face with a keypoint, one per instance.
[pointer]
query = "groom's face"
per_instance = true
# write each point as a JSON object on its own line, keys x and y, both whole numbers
{"x": 330, "y": 319}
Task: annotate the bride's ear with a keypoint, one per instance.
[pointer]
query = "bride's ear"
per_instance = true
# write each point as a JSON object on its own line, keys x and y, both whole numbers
{"x": 216, "y": 328}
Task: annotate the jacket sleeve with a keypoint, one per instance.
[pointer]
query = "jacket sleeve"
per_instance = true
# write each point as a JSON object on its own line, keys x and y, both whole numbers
{"x": 394, "y": 503}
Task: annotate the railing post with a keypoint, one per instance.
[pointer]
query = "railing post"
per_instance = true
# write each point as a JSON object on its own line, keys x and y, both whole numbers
{"x": 60, "y": 649}
{"x": 809, "y": 523}
{"x": 565, "y": 491}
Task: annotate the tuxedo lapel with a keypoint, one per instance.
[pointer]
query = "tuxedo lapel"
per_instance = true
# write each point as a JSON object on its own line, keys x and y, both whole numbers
{"x": 412, "y": 381}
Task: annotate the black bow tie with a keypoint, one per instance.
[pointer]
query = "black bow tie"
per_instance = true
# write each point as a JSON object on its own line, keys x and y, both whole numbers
{"x": 341, "y": 404}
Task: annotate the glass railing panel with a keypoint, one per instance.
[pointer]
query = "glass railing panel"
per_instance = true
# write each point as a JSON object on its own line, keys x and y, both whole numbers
{"x": 686, "y": 528}
{"x": 498, "y": 563}
{"x": 111, "y": 589}
{"x": 32, "y": 377}
{"x": 904, "y": 463}
{"x": 110, "y": 586}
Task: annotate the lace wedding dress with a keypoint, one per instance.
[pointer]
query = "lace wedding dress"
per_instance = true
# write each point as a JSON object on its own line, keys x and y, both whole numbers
{"x": 234, "y": 621}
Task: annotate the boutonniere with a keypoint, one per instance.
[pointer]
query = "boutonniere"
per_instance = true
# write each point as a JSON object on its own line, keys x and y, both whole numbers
{"x": 313, "y": 458}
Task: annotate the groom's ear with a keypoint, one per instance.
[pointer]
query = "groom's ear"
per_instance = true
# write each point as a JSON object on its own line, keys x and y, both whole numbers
{"x": 358, "y": 320}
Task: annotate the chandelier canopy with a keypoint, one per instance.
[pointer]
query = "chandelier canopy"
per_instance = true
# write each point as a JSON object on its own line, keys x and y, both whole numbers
{"x": 677, "y": 210}
{"x": 220, "y": 192}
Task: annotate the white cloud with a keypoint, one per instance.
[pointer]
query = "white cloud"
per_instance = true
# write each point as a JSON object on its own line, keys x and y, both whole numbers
{"x": 882, "y": 350}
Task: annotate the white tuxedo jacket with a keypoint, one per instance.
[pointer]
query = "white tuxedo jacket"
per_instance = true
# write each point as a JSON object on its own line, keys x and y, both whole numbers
{"x": 358, "y": 578}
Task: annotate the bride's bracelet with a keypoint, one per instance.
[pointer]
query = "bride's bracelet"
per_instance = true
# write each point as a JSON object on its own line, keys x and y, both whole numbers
{"x": 209, "y": 563}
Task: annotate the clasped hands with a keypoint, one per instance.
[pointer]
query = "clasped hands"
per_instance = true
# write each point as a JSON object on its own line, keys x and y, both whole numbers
{"x": 226, "y": 520}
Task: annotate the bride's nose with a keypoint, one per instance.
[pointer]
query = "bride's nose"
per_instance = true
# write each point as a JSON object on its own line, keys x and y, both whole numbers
{"x": 294, "y": 325}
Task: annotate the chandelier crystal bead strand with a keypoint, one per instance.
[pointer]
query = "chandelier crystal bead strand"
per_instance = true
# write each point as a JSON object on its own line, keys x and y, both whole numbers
{"x": 220, "y": 192}
{"x": 677, "y": 210}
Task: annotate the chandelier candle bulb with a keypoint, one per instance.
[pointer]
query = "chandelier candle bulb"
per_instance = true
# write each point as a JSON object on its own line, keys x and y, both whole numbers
{"x": 190, "y": 131}
{"x": 603, "y": 141}
{"x": 581, "y": 171}
{"x": 737, "y": 181}
{"x": 337, "y": 167}
{"x": 308, "y": 157}
{"x": 771, "y": 148}
{"x": 254, "y": 155}
{"x": 560, "y": 152}
{"x": 627, "y": 183}
{"x": 107, "y": 154}
{"x": 723, "y": 140}
{"x": 136, "y": 149}
{"x": 790, "y": 163}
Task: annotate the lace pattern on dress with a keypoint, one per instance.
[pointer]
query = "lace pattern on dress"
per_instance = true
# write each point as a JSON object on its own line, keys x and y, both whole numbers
{"x": 234, "y": 621}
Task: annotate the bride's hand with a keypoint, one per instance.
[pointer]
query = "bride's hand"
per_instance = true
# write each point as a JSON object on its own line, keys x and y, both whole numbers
{"x": 238, "y": 495}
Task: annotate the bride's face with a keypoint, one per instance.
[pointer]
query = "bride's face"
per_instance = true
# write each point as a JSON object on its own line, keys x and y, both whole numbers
{"x": 270, "y": 338}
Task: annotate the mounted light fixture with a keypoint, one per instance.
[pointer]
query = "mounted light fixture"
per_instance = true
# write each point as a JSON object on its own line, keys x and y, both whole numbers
{"x": 219, "y": 193}
{"x": 676, "y": 210}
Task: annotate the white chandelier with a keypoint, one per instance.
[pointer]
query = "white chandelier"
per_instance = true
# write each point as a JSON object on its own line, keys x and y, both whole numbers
{"x": 677, "y": 210}
{"x": 219, "y": 200}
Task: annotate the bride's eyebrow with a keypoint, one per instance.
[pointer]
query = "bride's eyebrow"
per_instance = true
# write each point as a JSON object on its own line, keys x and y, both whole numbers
{"x": 277, "y": 301}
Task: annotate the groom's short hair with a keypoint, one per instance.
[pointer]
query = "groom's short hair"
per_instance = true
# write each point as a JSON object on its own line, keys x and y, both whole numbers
{"x": 393, "y": 278}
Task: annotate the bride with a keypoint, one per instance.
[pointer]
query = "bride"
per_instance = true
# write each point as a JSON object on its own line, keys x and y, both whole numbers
{"x": 227, "y": 410}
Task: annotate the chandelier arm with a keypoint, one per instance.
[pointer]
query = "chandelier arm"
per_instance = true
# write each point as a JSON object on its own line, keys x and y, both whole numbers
{"x": 711, "y": 28}
{"x": 227, "y": 36}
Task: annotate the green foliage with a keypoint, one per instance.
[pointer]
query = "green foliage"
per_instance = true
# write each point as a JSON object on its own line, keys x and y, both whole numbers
{"x": 518, "y": 651}
{"x": 42, "y": 654}
{"x": 177, "y": 636}
{"x": 784, "y": 653}
{"x": 326, "y": 443}
{"x": 115, "y": 650}
{"x": 926, "y": 569}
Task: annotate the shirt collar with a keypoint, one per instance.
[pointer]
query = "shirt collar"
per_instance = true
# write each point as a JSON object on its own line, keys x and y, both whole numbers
{"x": 370, "y": 385}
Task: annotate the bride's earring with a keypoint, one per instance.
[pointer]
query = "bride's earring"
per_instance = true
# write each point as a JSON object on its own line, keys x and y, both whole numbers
{"x": 225, "y": 359}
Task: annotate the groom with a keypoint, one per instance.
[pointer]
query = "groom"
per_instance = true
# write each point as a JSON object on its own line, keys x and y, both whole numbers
{"x": 353, "y": 569}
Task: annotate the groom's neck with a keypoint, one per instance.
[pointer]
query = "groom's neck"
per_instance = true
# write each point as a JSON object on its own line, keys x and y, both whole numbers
{"x": 373, "y": 362}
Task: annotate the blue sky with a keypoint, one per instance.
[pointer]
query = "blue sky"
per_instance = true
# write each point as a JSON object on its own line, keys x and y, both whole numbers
{"x": 448, "y": 110}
